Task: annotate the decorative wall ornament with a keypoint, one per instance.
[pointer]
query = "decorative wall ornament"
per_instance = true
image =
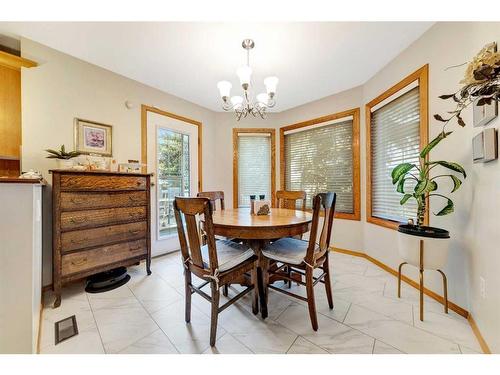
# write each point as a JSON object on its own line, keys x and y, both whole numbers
{"x": 93, "y": 137}
{"x": 481, "y": 85}
{"x": 484, "y": 113}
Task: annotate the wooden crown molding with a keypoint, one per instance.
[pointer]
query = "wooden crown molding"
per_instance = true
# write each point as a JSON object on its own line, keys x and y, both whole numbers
{"x": 15, "y": 62}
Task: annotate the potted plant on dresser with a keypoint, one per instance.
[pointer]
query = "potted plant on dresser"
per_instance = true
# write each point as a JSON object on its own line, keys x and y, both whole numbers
{"x": 63, "y": 157}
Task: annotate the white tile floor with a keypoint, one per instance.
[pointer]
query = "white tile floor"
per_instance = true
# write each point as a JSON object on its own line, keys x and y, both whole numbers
{"x": 147, "y": 316}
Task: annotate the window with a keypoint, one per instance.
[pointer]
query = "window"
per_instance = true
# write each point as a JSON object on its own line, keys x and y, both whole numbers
{"x": 173, "y": 176}
{"x": 396, "y": 130}
{"x": 253, "y": 165}
{"x": 323, "y": 155}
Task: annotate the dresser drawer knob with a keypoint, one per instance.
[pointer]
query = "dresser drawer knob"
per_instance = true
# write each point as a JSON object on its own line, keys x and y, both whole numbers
{"x": 79, "y": 263}
{"x": 134, "y": 231}
{"x": 134, "y": 248}
{"x": 80, "y": 241}
{"x": 78, "y": 201}
{"x": 133, "y": 199}
{"x": 76, "y": 220}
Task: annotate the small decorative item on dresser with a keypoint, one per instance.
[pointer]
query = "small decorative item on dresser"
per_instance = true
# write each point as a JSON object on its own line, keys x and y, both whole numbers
{"x": 133, "y": 166}
{"x": 63, "y": 158}
{"x": 93, "y": 137}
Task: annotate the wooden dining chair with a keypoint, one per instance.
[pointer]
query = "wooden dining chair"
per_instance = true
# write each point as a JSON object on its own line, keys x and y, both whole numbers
{"x": 303, "y": 257}
{"x": 288, "y": 199}
{"x": 214, "y": 196}
{"x": 218, "y": 262}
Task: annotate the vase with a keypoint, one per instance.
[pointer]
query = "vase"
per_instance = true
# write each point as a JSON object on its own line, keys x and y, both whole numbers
{"x": 435, "y": 242}
{"x": 64, "y": 163}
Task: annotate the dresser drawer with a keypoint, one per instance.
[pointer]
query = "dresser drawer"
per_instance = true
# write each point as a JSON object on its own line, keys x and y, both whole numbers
{"x": 71, "y": 220}
{"x": 80, "y": 239}
{"x": 87, "y": 200}
{"x": 102, "y": 183}
{"x": 86, "y": 260}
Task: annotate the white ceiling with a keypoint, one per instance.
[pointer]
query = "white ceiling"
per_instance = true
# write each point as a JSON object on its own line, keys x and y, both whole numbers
{"x": 312, "y": 60}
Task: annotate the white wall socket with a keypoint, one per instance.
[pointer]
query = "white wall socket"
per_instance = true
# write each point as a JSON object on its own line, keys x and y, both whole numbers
{"x": 482, "y": 287}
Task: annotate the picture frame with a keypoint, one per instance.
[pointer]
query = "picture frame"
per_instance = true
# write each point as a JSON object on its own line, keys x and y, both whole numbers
{"x": 93, "y": 137}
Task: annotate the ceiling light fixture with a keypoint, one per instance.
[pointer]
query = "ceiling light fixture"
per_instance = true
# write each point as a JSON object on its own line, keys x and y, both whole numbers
{"x": 245, "y": 105}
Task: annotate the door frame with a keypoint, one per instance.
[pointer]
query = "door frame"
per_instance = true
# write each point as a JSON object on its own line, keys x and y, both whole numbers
{"x": 144, "y": 136}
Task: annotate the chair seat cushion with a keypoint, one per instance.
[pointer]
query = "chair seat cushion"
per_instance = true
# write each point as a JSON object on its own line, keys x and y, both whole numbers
{"x": 229, "y": 254}
{"x": 287, "y": 250}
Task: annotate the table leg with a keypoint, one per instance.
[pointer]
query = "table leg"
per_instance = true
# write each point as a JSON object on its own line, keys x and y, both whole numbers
{"x": 257, "y": 246}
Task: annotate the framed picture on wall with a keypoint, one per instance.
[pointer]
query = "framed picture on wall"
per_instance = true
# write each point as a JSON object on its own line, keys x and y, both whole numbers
{"x": 93, "y": 137}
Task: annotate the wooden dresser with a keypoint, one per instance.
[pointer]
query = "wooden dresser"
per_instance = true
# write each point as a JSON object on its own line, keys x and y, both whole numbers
{"x": 101, "y": 220}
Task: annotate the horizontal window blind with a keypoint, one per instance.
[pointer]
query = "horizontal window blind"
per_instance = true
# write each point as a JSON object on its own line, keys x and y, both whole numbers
{"x": 395, "y": 139}
{"x": 254, "y": 167}
{"x": 320, "y": 159}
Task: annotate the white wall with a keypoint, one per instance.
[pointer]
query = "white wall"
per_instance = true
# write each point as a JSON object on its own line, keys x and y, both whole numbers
{"x": 62, "y": 88}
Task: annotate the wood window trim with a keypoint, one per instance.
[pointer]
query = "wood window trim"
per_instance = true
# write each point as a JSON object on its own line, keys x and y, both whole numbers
{"x": 144, "y": 137}
{"x": 355, "y": 113}
{"x": 272, "y": 133}
{"x": 422, "y": 77}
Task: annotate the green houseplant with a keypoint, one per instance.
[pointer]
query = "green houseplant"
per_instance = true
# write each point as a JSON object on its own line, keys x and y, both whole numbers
{"x": 415, "y": 181}
{"x": 63, "y": 157}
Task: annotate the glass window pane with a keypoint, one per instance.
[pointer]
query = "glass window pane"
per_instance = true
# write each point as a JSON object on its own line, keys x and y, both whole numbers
{"x": 173, "y": 176}
{"x": 254, "y": 167}
{"x": 395, "y": 139}
{"x": 320, "y": 160}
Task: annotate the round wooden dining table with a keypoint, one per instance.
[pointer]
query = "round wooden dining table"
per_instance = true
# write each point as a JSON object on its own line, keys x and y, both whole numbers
{"x": 257, "y": 230}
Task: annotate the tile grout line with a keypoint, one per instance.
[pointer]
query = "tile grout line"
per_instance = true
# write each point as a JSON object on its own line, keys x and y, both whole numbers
{"x": 290, "y": 347}
{"x": 373, "y": 348}
{"x": 95, "y": 321}
{"x": 319, "y": 346}
{"x": 395, "y": 320}
{"x": 151, "y": 317}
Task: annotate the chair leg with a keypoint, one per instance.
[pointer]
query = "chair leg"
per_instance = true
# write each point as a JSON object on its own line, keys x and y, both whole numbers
{"x": 399, "y": 278}
{"x": 215, "y": 313}
{"x": 225, "y": 290}
{"x": 289, "y": 274}
{"x": 187, "y": 282}
{"x": 310, "y": 298}
{"x": 255, "y": 294}
{"x": 328, "y": 285}
{"x": 445, "y": 291}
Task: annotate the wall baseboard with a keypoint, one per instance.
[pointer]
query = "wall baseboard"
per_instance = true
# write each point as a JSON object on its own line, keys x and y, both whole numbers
{"x": 479, "y": 337}
{"x": 452, "y": 306}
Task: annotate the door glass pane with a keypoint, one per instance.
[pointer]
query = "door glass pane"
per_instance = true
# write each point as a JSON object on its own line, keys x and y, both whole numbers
{"x": 173, "y": 176}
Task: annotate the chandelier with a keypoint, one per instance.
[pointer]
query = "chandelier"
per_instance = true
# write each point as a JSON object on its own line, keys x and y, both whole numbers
{"x": 245, "y": 105}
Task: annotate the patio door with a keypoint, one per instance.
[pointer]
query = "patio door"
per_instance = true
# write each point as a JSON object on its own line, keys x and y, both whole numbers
{"x": 173, "y": 149}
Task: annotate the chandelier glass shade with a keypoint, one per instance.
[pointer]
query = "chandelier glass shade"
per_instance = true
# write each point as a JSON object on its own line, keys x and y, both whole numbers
{"x": 245, "y": 105}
